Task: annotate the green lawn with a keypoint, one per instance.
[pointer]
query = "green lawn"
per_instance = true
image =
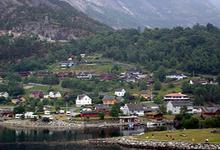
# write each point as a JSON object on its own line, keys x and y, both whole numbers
{"x": 192, "y": 135}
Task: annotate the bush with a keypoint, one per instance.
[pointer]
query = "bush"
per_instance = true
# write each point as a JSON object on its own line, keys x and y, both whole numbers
{"x": 101, "y": 116}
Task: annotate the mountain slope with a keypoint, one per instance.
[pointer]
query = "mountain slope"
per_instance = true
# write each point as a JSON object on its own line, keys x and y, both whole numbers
{"x": 153, "y": 13}
{"x": 52, "y": 19}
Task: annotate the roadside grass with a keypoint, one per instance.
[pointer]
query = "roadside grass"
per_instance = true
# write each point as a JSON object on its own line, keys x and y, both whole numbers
{"x": 169, "y": 117}
{"x": 189, "y": 135}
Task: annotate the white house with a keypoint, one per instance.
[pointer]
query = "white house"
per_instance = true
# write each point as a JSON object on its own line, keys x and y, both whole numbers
{"x": 4, "y": 94}
{"x": 175, "y": 106}
{"x": 54, "y": 94}
{"x": 30, "y": 115}
{"x": 83, "y": 100}
{"x": 84, "y": 75}
{"x": 176, "y": 97}
{"x": 133, "y": 109}
{"x": 120, "y": 92}
{"x": 176, "y": 76}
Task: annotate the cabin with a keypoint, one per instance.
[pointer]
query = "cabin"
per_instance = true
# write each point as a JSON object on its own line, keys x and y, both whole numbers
{"x": 4, "y": 94}
{"x": 120, "y": 92}
{"x": 109, "y": 100}
{"x": 84, "y": 75}
{"x": 6, "y": 113}
{"x": 54, "y": 95}
{"x": 209, "y": 112}
{"x": 65, "y": 74}
{"x": 101, "y": 108}
{"x": 88, "y": 114}
{"x": 24, "y": 73}
{"x": 106, "y": 77}
{"x": 66, "y": 64}
{"x": 175, "y": 106}
{"x": 154, "y": 116}
{"x": 133, "y": 109}
{"x": 43, "y": 74}
{"x": 146, "y": 95}
{"x": 176, "y": 97}
{"x": 83, "y": 100}
{"x": 176, "y": 76}
{"x": 37, "y": 94}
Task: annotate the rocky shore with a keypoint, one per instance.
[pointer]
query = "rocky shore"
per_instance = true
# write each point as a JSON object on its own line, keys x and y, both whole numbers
{"x": 56, "y": 124}
{"x": 126, "y": 143}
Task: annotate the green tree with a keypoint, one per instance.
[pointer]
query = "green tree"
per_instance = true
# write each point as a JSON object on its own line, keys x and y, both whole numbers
{"x": 162, "y": 109}
{"x": 19, "y": 109}
{"x": 160, "y": 74}
{"x": 157, "y": 85}
{"x": 115, "y": 111}
{"x": 101, "y": 116}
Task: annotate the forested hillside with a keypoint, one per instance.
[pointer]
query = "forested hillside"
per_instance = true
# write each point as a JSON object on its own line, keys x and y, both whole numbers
{"x": 195, "y": 50}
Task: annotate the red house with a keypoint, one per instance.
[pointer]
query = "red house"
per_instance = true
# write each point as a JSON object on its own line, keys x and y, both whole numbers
{"x": 106, "y": 77}
{"x": 89, "y": 114}
{"x": 209, "y": 112}
{"x": 37, "y": 94}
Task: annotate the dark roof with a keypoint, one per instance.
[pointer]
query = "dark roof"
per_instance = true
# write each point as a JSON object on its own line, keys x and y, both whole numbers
{"x": 210, "y": 109}
{"x": 135, "y": 107}
{"x": 119, "y": 90}
{"x": 81, "y": 96}
{"x": 181, "y": 103}
{"x": 101, "y": 106}
{"x": 107, "y": 97}
{"x": 37, "y": 92}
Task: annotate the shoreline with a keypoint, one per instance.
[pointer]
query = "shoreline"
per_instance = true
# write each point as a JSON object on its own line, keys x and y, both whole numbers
{"x": 126, "y": 143}
{"x": 62, "y": 125}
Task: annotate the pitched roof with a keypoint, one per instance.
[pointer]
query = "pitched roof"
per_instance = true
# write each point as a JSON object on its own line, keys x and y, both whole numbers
{"x": 101, "y": 106}
{"x": 175, "y": 94}
{"x": 81, "y": 96}
{"x": 135, "y": 107}
{"x": 181, "y": 103}
{"x": 119, "y": 90}
{"x": 107, "y": 97}
{"x": 210, "y": 109}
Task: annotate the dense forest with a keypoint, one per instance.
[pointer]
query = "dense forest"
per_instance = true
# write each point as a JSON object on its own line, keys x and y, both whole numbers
{"x": 195, "y": 50}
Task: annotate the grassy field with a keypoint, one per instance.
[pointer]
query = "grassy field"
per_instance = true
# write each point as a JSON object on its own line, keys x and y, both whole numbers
{"x": 194, "y": 135}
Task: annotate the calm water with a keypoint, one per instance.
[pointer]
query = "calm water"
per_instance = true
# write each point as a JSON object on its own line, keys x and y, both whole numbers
{"x": 9, "y": 138}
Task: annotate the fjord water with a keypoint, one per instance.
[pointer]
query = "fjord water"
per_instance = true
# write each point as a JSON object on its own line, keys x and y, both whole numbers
{"x": 37, "y": 139}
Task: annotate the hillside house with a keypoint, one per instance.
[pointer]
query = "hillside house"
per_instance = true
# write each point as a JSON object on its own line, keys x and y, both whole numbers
{"x": 209, "y": 112}
{"x": 88, "y": 114}
{"x": 37, "y": 94}
{"x": 176, "y": 97}
{"x": 175, "y": 106}
{"x": 66, "y": 64}
{"x": 154, "y": 116}
{"x": 4, "y": 94}
{"x": 84, "y": 75}
{"x": 83, "y": 100}
{"x": 176, "y": 76}
{"x": 133, "y": 109}
{"x": 106, "y": 77}
{"x": 54, "y": 95}
{"x": 24, "y": 74}
{"x": 109, "y": 100}
{"x": 101, "y": 108}
{"x": 65, "y": 74}
{"x": 6, "y": 112}
{"x": 120, "y": 92}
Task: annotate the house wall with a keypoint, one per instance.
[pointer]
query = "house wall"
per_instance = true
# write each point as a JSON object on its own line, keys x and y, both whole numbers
{"x": 84, "y": 101}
